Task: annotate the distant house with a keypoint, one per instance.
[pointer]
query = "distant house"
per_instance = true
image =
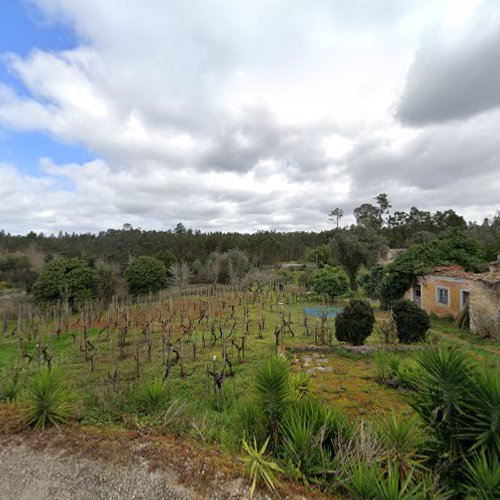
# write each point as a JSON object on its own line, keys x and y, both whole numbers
{"x": 448, "y": 290}
{"x": 444, "y": 291}
{"x": 485, "y": 303}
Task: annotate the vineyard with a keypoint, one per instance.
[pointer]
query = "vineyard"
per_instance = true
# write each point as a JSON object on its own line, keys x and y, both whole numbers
{"x": 193, "y": 363}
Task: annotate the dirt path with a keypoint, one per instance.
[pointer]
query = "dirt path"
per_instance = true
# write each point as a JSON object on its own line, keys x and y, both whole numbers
{"x": 30, "y": 471}
{"x": 30, "y": 474}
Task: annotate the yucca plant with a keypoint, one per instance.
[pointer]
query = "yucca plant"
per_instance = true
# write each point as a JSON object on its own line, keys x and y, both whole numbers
{"x": 300, "y": 385}
{"x": 386, "y": 364}
{"x": 390, "y": 486}
{"x": 258, "y": 466}
{"x": 152, "y": 396}
{"x": 273, "y": 394}
{"x": 310, "y": 434}
{"x": 483, "y": 477}
{"x": 442, "y": 385}
{"x": 48, "y": 399}
{"x": 402, "y": 439}
{"x": 361, "y": 479}
{"x": 249, "y": 420}
{"x": 481, "y": 412}
{"x": 11, "y": 385}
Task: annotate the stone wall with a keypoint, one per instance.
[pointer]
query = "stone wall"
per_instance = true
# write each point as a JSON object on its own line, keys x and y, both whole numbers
{"x": 485, "y": 309}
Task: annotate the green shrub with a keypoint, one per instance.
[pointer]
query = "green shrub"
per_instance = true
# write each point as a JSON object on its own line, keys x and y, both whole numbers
{"x": 483, "y": 477}
{"x": 300, "y": 385}
{"x": 441, "y": 390}
{"x": 250, "y": 421}
{"x": 151, "y": 397}
{"x": 10, "y": 384}
{"x": 403, "y": 441}
{"x": 329, "y": 282}
{"x": 481, "y": 412}
{"x": 145, "y": 274}
{"x": 273, "y": 394}
{"x": 355, "y": 323}
{"x": 48, "y": 399}
{"x": 258, "y": 466}
{"x": 311, "y": 433}
{"x": 412, "y": 322}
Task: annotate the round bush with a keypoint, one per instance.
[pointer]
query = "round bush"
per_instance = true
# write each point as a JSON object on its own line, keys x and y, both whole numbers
{"x": 412, "y": 322}
{"x": 330, "y": 282}
{"x": 145, "y": 274}
{"x": 355, "y": 323}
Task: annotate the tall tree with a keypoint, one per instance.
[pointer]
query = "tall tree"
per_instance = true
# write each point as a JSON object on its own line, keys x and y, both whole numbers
{"x": 368, "y": 216}
{"x": 335, "y": 215}
{"x": 383, "y": 202}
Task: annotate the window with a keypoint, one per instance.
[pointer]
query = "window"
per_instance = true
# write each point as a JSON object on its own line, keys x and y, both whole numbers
{"x": 464, "y": 296}
{"x": 443, "y": 295}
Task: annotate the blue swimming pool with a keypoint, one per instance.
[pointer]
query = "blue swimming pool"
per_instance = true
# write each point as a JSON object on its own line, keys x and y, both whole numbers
{"x": 319, "y": 311}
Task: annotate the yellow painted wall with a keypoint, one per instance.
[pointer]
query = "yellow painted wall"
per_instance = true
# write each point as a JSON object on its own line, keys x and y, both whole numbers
{"x": 429, "y": 286}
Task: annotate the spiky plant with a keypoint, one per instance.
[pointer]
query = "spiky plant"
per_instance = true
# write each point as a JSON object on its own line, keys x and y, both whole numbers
{"x": 273, "y": 394}
{"x": 386, "y": 364}
{"x": 11, "y": 385}
{"x": 361, "y": 479}
{"x": 442, "y": 384}
{"x": 481, "y": 414}
{"x": 48, "y": 399}
{"x": 258, "y": 466}
{"x": 483, "y": 477}
{"x": 152, "y": 396}
{"x": 311, "y": 433}
{"x": 402, "y": 439}
{"x": 300, "y": 385}
{"x": 390, "y": 486}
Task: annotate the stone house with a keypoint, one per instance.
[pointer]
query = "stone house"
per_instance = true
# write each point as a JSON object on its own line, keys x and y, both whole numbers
{"x": 444, "y": 291}
{"x": 448, "y": 290}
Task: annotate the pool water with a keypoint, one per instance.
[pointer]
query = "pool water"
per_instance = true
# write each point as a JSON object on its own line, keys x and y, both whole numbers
{"x": 319, "y": 311}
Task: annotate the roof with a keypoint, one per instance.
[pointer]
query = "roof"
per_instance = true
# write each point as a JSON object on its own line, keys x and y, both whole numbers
{"x": 454, "y": 271}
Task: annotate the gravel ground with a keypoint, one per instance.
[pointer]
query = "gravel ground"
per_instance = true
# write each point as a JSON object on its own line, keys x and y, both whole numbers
{"x": 31, "y": 474}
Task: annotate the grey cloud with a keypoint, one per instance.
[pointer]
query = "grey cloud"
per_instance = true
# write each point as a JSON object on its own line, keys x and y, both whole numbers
{"x": 455, "y": 79}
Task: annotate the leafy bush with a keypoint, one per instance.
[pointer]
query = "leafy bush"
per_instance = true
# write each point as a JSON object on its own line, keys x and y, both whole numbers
{"x": 412, "y": 322}
{"x": 330, "y": 282}
{"x": 48, "y": 399}
{"x": 355, "y": 323}
{"x": 145, "y": 274}
{"x": 66, "y": 279}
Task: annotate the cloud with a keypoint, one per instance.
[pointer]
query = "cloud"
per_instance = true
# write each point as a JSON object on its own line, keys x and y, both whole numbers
{"x": 457, "y": 76}
{"x": 245, "y": 116}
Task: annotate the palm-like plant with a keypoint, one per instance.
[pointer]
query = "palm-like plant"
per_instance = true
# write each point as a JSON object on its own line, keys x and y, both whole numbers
{"x": 442, "y": 384}
{"x": 402, "y": 439}
{"x": 483, "y": 474}
{"x": 272, "y": 383}
{"x": 481, "y": 414}
{"x": 258, "y": 466}
{"x": 48, "y": 399}
{"x": 152, "y": 396}
{"x": 300, "y": 384}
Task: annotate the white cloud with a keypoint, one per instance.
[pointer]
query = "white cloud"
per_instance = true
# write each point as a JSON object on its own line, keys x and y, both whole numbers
{"x": 235, "y": 115}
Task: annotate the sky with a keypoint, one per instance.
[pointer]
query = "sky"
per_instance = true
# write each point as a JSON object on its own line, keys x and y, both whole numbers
{"x": 244, "y": 116}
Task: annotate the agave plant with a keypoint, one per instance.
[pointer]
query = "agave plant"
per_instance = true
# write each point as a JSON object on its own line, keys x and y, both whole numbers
{"x": 300, "y": 384}
{"x": 273, "y": 392}
{"x": 481, "y": 413}
{"x": 483, "y": 476}
{"x": 402, "y": 440}
{"x": 48, "y": 399}
{"x": 258, "y": 466}
{"x": 442, "y": 387}
{"x": 311, "y": 432}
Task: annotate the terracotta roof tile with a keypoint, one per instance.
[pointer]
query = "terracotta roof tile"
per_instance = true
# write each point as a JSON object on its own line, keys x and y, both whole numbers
{"x": 454, "y": 271}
